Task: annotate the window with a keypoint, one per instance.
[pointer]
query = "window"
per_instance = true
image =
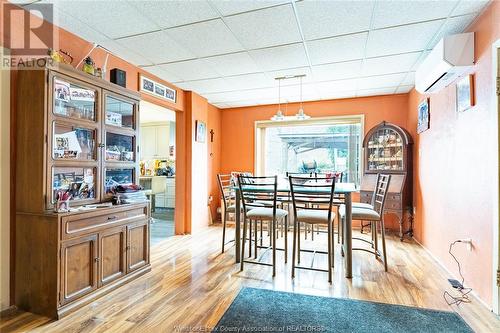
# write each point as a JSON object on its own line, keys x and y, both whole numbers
{"x": 314, "y": 145}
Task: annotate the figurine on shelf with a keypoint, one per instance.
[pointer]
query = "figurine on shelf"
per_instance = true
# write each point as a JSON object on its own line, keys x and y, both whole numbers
{"x": 88, "y": 66}
{"x": 62, "y": 203}
{"x": 55, "y": 55}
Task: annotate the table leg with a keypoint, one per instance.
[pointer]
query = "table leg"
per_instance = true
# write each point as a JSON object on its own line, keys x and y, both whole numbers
{"x": 348, "y": 236}
{"x": 237, "y": 232}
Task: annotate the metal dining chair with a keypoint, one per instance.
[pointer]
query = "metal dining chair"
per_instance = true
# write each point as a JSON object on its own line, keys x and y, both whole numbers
{"x": 375, "y": 216}
{"x": 259, "y": 198}
{"x": 312, "y": 203}
{"x": 228, "y": 196}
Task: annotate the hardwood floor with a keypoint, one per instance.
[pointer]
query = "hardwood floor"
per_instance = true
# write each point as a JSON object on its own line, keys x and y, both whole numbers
{"x": 192, "y": 284}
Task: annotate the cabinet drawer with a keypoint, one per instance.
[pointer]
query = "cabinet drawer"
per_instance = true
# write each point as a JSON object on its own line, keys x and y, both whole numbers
{"x": 392, "y": 204}
{"x": 81, "y": 224}
{"x": 393, "y": 197}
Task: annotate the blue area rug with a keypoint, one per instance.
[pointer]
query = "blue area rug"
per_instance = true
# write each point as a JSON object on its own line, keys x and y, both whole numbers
{"x": 261, "y": 310}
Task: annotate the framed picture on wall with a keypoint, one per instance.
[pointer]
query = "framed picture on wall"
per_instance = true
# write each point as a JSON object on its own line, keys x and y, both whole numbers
{"x": 201, "y": 131}
{"x": 423, "y": 123}
{"x": 465, "y": 93}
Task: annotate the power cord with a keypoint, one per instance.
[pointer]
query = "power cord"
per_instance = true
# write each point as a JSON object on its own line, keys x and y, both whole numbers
{"x": 459, "y": 286}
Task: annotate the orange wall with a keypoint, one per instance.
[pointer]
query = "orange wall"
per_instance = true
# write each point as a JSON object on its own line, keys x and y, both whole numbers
{"x": 455, "y": 171}
{"x": 214, "y": 156}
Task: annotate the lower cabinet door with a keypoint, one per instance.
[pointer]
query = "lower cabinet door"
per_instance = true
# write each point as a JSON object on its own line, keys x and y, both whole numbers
{"x": 79, "y": 262}
{"x": 137, "y": 245}
{"x": 112, "y": 254}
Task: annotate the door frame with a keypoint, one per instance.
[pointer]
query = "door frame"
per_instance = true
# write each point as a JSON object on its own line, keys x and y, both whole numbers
{"x": 496, "y": 214}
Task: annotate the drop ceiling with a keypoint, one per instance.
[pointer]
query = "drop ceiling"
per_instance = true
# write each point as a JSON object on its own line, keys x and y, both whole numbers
{"x": 231, "y": 51}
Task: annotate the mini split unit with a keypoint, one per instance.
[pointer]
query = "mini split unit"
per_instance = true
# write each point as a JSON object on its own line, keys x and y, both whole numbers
{"x": 452, "y": 57}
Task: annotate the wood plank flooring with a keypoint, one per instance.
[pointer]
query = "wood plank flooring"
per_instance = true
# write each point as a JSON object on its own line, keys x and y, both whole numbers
{"x": 192, "y": 284}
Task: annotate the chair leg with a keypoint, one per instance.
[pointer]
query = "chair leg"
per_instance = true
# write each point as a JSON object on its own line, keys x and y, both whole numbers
{"x": 329, "y": 252}
{"x": 332, "y": 236}
{"x": 243, "y": 243}
{"x": 274, "y": 246}
{"x": 294, "y": 245}
{"x": 223, "y": 231}
{"x": 298, "y": 241}
{"x": 312, "y": 232}
{"x": 250, "y": 238}
{"x": 306, "y": 230}
{"x": 286, "y": 239}
{"x": 382, "y": 227}
{"x": 255, "y": 235}
{"x": 153, "y": 202}
{"x": 338, "y": 228}
{"x": 261, "y": 233}
{"x": 375, "y": 238}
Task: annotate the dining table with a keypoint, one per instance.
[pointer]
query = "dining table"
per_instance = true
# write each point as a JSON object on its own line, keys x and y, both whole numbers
{"x": 283, "y": 188}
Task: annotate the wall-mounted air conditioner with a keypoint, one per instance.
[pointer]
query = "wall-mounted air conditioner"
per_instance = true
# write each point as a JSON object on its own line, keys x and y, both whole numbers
{"x": 450, "y": 58}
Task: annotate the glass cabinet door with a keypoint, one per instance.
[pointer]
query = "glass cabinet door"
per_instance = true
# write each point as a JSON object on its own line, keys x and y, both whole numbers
{"x": 79, "y": 182}
{"x": 74, "y": 101}
{"x": 119, "y": 112}
{"x": 118, "y": 176}
{"x": 73, "y": 142}
{"x": 120, "y": 147}
{"x": 385, "y": 151}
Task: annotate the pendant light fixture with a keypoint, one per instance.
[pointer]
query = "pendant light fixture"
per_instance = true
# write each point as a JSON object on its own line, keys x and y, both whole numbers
{"x": 279, "y": 114}
{"x": 301, "y": 114}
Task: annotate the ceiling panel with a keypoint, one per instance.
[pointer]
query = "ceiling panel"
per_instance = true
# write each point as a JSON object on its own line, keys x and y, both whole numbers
{"x": 167, "y": 14}
{"x": 321, "y": 19}
{"x": 157, "y": 47}
{"x": 125, "y": 53}
{"x": 375, "y": 92}
{"x": 111, "y": 18}
{"x": 390, "y": 64}
{"x": 404, "y": 89}
{"x": 330, "y": 87}
{"x": 469, "y": 7}
{"x": 337, "y": 71}
{"x": 344, "y": 48}
{"x": 291, "y": 72}
{"x": 233, "y": 64}
{"x": 453, "y": 25}
{"x": 409, "y": 79}
{"x": 234, "y": 7}
{"x": 266, "y": 27}
{"x": 191, "y": 70}
{"x": 249, "y": 81}
{"x": 280, "y": 57}
{"x": 397, "y": 12}
{"x": 206, "y": 86}
{"x": 206, "y": 38}
{"x": 381, "y": 81}
{"x": 334, "y": 94}
{"x": 402, "y": 39}
{"x": 162, "y": 74}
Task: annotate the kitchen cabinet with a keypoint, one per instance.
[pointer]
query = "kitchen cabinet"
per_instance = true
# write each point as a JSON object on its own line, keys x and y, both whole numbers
{"x": 155, "y": 142}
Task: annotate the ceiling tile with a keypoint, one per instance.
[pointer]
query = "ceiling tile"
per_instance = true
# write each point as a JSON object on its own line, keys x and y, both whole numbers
{"x": 191, "y": 70}
{"x": 397, "y": 12}
{"x": 422, "y": 57}
{"x": 330, "y": 88}
{"x": 265, "y": 27}
{"x": 331, "y": 94}
{"x": 233, "y": 7}
{"x": 409, "y": 80}
{"x": 162, "y": 74}
{"x": 404, "y": 89}
{"x": 337, "y": 71}
{"x": 390, "y": 64}
{"x": 469, "y": 7}
{"x": 206, "y": 86}
{"x": 280, "y": 57}
{"x": 452, "y": 26}
{"x": 233, "y": 64}
{"x": 380, "y": 81}
{"x": 167, "y": 14}
{"x": 402, "y": 39}
{"x": 375, "y": 92}
{"x": 343, "y": 48}
{"x": 321, "y": 19}
{"x": 114, "y": 19}
{"x": 125, "y": 53}
{"x": 206, "y": 38}
{"x": 248, "y": 81}
{"x": 157, "y": 47}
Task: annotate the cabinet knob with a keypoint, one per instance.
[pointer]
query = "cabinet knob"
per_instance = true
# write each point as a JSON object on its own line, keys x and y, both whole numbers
{"x": 96, "y": 259}
{"x": 128, "y": 247}
{"x": 111, "y": 217}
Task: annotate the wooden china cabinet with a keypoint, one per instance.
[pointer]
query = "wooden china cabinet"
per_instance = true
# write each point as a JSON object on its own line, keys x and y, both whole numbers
{"x": 387, "y": 149}
{"x": 79, "y": 134}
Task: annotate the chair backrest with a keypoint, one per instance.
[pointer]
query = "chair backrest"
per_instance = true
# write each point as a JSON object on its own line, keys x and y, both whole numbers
{"x": 339, "y": 175}
{"x": 317, "y": 194}
{"x": 158, "y": 184}
{"x": 380, "y": 193}
{"x": 299, "y": 174}
{"x": 375, "y": 191}
{"x": 258, "y": 192}
{"x": 226, "y": 184}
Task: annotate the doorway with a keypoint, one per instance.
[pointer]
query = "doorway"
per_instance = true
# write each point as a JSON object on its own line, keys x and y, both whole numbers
{"x": 157, "y": 167}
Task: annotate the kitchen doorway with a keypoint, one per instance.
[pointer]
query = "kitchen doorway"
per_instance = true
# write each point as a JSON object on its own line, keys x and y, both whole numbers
{"x": 157, "y": 167}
